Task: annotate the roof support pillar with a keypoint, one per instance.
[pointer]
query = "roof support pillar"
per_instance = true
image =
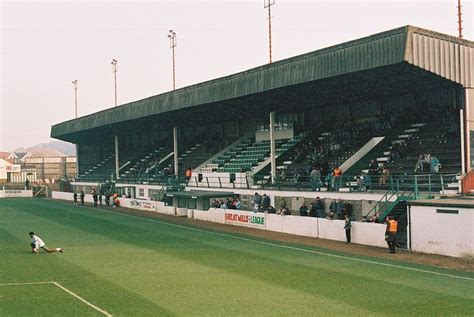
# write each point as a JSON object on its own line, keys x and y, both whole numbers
{"x": 272, "y": 146}
{"x": 77, "y": 161}
{"x": 175, "y": 150}
{"x": 463, "y": 148}
{"x": 469, "y": 126}
{"x": 117, "y": 158}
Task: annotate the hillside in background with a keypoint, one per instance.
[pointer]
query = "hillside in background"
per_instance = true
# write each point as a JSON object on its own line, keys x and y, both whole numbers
{"x": 53, "y": 148}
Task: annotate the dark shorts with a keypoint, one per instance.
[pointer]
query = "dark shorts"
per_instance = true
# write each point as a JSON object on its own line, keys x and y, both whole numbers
{"x": 391, "y": 237}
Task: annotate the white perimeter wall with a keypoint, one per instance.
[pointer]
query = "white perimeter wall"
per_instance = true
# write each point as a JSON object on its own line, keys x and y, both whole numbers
{"x": 15, "y": 193}
{"x": 362, "y": 233}
{"x": 155, "y": 206}
{"x": 442, "y": 233}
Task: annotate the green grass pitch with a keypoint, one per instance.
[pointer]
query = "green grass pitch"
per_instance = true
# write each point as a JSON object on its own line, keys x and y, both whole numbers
{"x": 133, "y": 266}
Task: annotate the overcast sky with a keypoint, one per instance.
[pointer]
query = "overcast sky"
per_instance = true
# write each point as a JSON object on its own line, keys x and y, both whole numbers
{"x": 46, "y": 45}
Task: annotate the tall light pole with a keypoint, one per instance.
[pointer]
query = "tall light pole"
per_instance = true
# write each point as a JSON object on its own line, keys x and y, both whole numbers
{"x": 268, "y": 4}
{"x": 173, "y": 43}
{"x": 114, "y": 69}
{"x": 459, "y": 19}
{"x": 74, "y": 84}
{"x": 117, "y": 161}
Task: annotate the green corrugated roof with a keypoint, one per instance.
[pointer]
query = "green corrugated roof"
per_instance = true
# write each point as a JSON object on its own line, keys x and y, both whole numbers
{"x": 382, "y": 49}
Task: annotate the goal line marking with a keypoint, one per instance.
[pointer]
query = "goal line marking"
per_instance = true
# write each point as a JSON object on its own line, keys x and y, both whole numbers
{"x": 105, "y": 313}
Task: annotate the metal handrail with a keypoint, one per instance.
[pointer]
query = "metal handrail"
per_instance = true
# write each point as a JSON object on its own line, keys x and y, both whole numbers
{"x": 416, "y": 183}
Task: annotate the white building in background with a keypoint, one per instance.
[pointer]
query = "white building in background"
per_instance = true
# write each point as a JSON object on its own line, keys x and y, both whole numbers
{"x": 13, "y": 173}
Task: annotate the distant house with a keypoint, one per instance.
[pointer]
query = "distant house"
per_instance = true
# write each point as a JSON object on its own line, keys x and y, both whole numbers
{"x": 3, "y": 170}
{"x": 4, "y": 155}
{"x": 18, "y": 157}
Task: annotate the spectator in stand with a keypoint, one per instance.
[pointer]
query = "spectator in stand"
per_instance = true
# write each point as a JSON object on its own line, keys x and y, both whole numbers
{"x": 325, "y": 169}
{"x": 282, "y": 206}
{"x": 384, "y": 176}
{"x": 94, "y": 197}
{"x": 265, "y": 202}
{"x": 402, "y": 149}
{"x": 329, "y": 181}
{"x": 82, "y": 195}
{"x": 312, "y": 210}
{"x": 189, "y": 173}
{"x": 395, "y": 153}
{"x": 434, "y": 165}
{"x": 331, "y": 216}
{"x": 271, "y": 210}
{"x": 316, "y": 179}
{"x": 257, "y": 200}
{"x": 282, "y": 174}
{"x": 222, "y": 204}
{"x": 319, "y": 206}
{"x": 228, "y": 204}
{"x": 346, "y": 210}
{"x": 236, "y": 203}
{"x": 347, "y": 228}
{"x": 115, "y": 200}
{"x": 215, "y": 204}
{"x": 373, "y": 167}
{"x": 360, "y": 180}
{"x": 419, "y": 164}
{"x": 336, "y": 208}
{"x": 284, "y": 212}
{"x": 336, "y": 178}
{"x": 427, "y": 162}
{"x": 303, "y": 210}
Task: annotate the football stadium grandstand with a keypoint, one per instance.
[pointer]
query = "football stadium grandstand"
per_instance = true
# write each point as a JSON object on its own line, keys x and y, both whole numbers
{"x": 387, "y": 114}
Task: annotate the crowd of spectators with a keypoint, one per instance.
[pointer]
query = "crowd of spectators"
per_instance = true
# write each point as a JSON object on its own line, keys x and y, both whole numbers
{"x": 99, "y": 196}
{"x": 427, "y": 163}
{"x": 229, "y": 203}
{"x": 316, "y": 156}
{"x": 337, "y": 209}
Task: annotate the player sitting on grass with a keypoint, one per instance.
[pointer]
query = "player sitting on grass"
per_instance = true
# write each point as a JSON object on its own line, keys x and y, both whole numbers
{"x": 37, "y": 243}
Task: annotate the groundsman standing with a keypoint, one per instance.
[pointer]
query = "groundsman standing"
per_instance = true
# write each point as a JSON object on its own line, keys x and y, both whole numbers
{"x": 391, "y": 233}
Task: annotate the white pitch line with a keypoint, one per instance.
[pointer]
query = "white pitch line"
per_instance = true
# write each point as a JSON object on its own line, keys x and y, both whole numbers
{"x": 64, "y": 289}
{"x": 289, "y": 247}
{"x": 82, "y": 299}
{"x": 26, "y": 283}
{"x": 10, "y": 222}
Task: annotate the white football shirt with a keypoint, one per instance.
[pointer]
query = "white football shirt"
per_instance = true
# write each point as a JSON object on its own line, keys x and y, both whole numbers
{"x": 37, "y": 241}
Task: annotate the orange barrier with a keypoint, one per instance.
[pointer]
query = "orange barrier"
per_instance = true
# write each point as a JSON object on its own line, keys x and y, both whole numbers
{"x": 468, "y": 183}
